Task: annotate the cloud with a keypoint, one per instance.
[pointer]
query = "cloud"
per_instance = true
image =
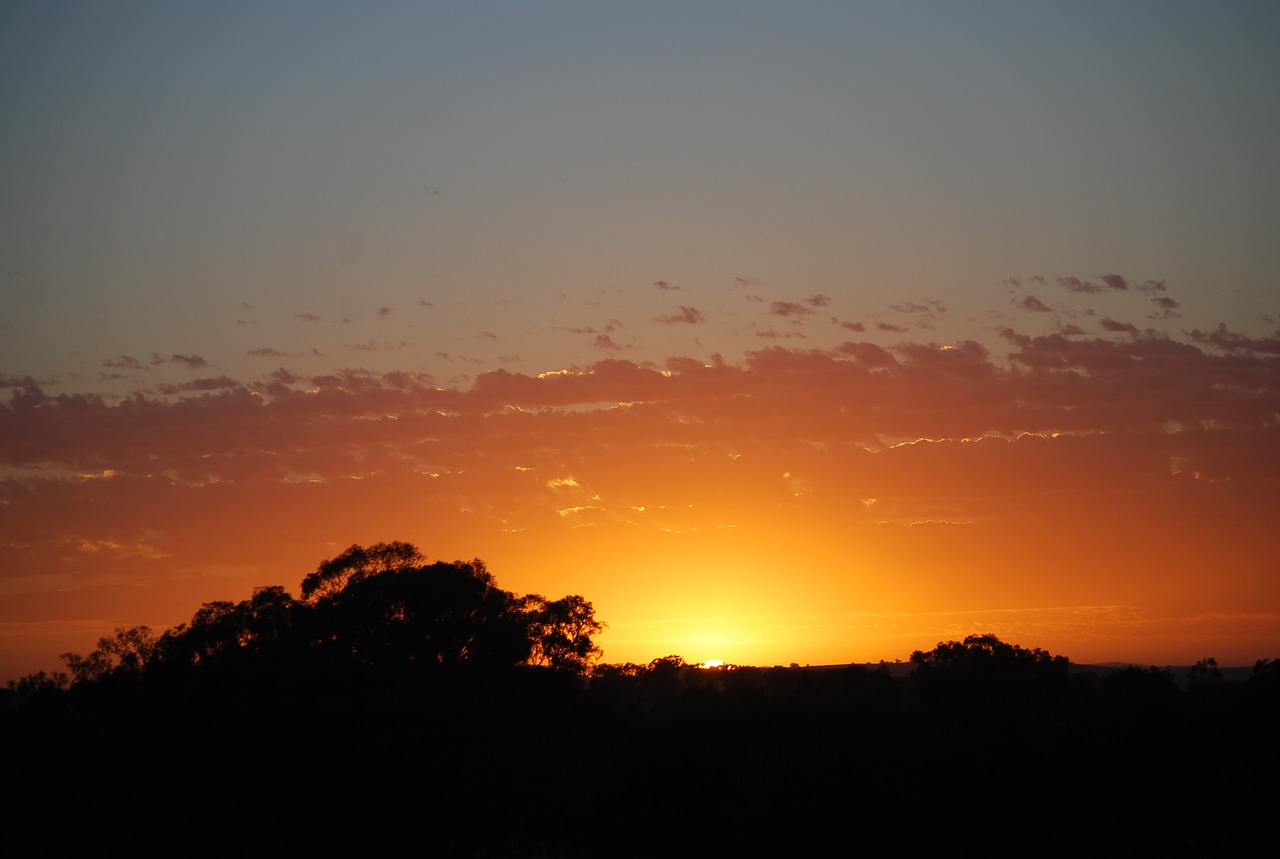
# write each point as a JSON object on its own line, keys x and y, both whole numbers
{"x": 819, "y": 300}
{"x": 662, "y": 284}
{"x": 690, "y": 315}
{"x": 266, "y": 352}
{"x": 604, "y": 341}
{"x": 1230, "y": 341}
{"x": 788, "y": 308}
{"x": 7, "y": 381}
{"x": 1118, "y": 327}
{"x": 1109, "y": 283}
{"x": 892, "y": 328}
{"x": 910, "y": 307}
{"x": 1029, "y": 446}
{"x": 124, "y": 362}
{"x": 307, "y": 317}
{"x": 384, "y": 312}
{"x": 854, "y": 326}
{"x": 210, "y": 384}
{"x": 192, "y": 361}
{"x": 1034, "y": 304}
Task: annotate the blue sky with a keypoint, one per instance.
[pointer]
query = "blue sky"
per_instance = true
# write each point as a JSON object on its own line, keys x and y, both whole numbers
{"x": 186, "y": 178}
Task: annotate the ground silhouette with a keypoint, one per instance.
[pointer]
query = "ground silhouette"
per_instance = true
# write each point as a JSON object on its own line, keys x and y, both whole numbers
{"x": 401, "y": 704}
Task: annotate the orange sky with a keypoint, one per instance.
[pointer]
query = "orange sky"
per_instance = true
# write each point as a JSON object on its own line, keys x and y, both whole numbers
{"x": 809, "y": 332}
{"x": 1109, "y": 498}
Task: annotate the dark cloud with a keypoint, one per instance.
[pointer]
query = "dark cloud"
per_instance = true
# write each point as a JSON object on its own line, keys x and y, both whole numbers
{"x": 867, "y": 354}
{"x": 385, "y": 311}
{"x": 307, "y": 317}
{"x": 788, "y": 308}
{"x": 819, "y": 300}
{"x": 191, "y": 361}
{"x": 892, "y": 328}
{"x": 199, "y": 385}
{"x": 266, "y": 352}
{"x": 604, "y": 341}
{"x": 662, "y": 284}
{"x": 853, "y": 326}
{"x": 1118, "y": 327}
{"x": 689, "y": 315}
{"x": 910, "y": 307}
{"x": 124, "y": 362}
{"x": 1230, "y": 341}
{"x": 1034, "y": 304}
{"x": 1165, "y": 303}
{"x": 1109, "y": 283}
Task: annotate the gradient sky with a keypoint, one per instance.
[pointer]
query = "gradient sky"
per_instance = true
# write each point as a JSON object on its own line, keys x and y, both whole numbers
{"x": 806, "y": 332}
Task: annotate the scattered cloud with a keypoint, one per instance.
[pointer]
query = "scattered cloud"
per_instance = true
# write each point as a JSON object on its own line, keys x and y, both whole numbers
{"x": 192, "y": 361}
{"x": 1034, "y": 304}
{"x": 266, "y": 352}
{"x": 1118, "y": 327}
{"x": 1230, "y": 341}
{"x": 604, "y": 341}
{"x": 307, "y": 316}
{"x": 788, "y": 308}
{"x": 690, "y": 315}
{"x": 662, "y": 284}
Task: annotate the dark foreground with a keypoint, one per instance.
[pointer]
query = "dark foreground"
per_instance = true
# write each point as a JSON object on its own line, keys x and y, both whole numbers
{"x": 974, "y": 752}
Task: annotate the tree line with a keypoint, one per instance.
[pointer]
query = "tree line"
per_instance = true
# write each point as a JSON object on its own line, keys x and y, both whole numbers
{"x": 404, "y": 704}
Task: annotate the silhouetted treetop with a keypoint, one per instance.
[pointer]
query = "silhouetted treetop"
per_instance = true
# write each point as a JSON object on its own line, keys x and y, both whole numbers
{"x": 382, "y": 607}
{"x": 356, "y": 563}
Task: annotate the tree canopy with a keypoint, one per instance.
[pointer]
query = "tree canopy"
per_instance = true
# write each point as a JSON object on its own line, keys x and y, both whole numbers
{"x": 379, "y": 607}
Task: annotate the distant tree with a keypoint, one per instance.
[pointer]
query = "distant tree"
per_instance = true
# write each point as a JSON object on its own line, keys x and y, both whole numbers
{"x": 126, "y": 651}
{"x": 1204, "y": 675}
{"x": 223, "y": 628}
{"x": 560, "y": 632}
{"x": 39, "y": 683}
{"x": 983, "y": 670}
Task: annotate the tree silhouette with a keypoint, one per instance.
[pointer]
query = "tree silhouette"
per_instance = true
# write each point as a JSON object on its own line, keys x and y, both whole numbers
{"x": 356, "y": 563}
{"x": 126, "y": 651}
{"x": 560, "y": 632}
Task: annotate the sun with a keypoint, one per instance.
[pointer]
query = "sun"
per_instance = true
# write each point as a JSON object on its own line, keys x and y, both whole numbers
{"x": 713, "y": 663}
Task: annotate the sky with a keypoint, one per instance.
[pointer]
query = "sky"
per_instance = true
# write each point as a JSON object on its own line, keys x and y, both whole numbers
{"x": 805, "y": 332}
